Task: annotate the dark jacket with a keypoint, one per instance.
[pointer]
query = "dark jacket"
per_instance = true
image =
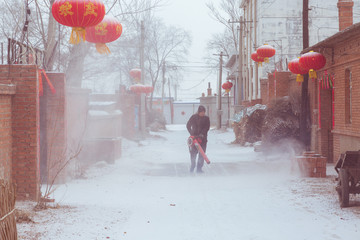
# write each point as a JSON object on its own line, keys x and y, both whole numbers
{"x": 198, "y": 126}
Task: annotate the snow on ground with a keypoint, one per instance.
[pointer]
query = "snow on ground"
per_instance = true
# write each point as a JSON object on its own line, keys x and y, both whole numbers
{"x": 149, "y": 194}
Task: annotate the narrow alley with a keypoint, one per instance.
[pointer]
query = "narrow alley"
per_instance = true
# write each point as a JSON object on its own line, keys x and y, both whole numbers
{"x": 150, "y": 194}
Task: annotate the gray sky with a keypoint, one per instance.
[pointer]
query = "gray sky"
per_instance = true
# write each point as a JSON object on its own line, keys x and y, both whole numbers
{"x": 193, "y": 16}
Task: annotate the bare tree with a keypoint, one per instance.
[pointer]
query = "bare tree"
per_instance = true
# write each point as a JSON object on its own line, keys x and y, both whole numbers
{"x": 228, "y": 13}
{"x": 165, "y": 46}
{"x": 162, "y": 44}
{"x": 12, "y": 18}
{"x": 45, "y": 33}
{"x": 31, "y": 23}
{"x": 126, "y": 11}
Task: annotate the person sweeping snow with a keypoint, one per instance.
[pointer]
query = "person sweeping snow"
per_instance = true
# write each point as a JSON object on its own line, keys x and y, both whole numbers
{"x": 198, "y": 127}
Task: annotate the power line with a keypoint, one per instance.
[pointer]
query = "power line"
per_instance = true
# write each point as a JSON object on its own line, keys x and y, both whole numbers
{"x": 198, "y": 84}
{"x": 196, "y": 66}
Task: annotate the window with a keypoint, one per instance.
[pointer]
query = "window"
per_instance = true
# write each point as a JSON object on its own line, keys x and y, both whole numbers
{"x": 348, "y": 83}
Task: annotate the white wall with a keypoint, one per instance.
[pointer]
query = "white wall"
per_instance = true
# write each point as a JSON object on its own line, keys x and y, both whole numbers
{"x": 184, "y": 110}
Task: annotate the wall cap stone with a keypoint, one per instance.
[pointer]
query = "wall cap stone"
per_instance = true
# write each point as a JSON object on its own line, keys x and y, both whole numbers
{"x": 7, "y": 89}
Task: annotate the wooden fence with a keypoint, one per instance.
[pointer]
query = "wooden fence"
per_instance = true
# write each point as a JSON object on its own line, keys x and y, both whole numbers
{"x": 8, "y": 229}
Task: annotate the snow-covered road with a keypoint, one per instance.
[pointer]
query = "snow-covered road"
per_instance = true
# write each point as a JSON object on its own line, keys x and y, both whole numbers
{"x": 149, "y": 194}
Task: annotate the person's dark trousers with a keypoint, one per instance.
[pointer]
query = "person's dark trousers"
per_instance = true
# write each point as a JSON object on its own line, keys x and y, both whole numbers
{"x": 193, "y": 154}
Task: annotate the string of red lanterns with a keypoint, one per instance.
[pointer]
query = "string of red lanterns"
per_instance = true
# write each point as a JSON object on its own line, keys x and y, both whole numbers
{"x": 139, "y": 88}
{"x": 307, "y": 63}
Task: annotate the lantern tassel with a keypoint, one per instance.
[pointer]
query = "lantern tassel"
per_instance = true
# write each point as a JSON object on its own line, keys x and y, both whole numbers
{"x": 266, "y": 60}
{"x": 102, "y": 48}
{"x": 299, "y": 78}
{"x": 77, "y": 34}
{"x": 312, "y": 74}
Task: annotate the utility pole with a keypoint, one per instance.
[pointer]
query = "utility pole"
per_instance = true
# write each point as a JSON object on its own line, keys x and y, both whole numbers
{"x": 175, "y": 91}
{"x": 219, "y": 112}
{"x": 143, "y": 97}
{"x": 240, "y": 67}
{"x": 239, "y": 84}
{"x": 171, "y": 104}
{"x": 257, "y": 82}
{"x": 305, "y": 134}
{"x": 162, "y": 88}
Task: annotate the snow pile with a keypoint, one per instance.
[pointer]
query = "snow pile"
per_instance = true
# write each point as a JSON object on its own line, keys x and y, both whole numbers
{"x": 247, "y": 112}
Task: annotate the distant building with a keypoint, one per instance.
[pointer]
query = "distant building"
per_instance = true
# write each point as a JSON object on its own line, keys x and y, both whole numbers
{"x": 277, "y": 23}
{"x": 166, "y": 105}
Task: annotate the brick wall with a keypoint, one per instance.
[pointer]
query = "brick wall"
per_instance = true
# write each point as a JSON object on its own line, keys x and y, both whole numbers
{"x": 25, "y": 128}
{"x": 20, "y": 126}
{"x": 293, "y": 85}
{"x": 278, "y": 85}
{"x": 344, "y": 136}
{"x": 6, "y": 92}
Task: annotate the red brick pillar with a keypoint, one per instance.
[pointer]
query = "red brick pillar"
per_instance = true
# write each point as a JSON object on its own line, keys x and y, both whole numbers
{"x": 127, "y": 104}
{"x": 264, "y": 90}
{"x": 345, "y": 13}
{"x": 25, "y": 128}
{"x": 6, "y": 93}
{"x": 282, "y": 84}
{"x": 271, "y": 87}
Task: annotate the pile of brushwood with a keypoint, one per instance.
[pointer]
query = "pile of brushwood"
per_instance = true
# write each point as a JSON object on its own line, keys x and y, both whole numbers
{"x": 282, "y": 120}
{"x": 248, "y": 129}
{"x": 279, "y": 121}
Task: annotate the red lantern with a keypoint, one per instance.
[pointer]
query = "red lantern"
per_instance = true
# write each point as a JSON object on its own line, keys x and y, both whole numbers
{"x": 227, "y": 86}
{"x": 136, "y": 74}
{"x": 312, "y": 61}
{"x": 107, "y": 31}
{"x": 294, "y": 67}
{"x": 137, "y": 88}
{"x": 149, "y": 89}
{"x": 266, "y": 52}
{"x": 256, "y": 58}
{"x": 78, "y": 14}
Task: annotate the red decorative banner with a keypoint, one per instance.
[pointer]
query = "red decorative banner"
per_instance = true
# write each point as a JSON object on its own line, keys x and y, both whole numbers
{"x": 41, "y": 87}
